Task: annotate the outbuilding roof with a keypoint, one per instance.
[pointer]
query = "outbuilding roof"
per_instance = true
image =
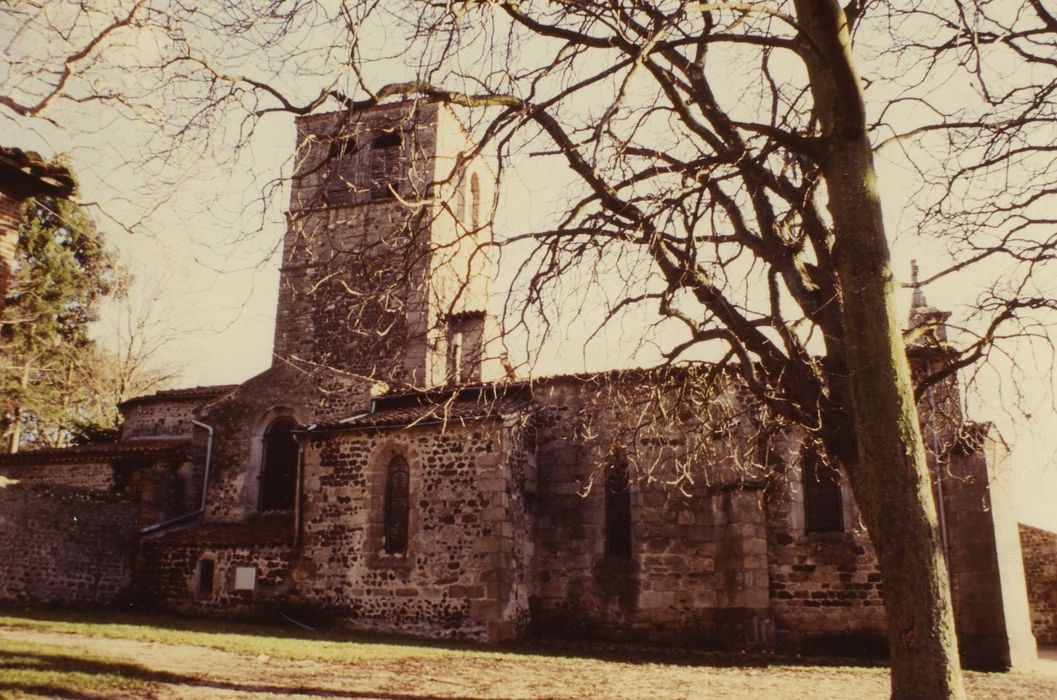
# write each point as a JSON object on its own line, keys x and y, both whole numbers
{"x": 25, "y": 174}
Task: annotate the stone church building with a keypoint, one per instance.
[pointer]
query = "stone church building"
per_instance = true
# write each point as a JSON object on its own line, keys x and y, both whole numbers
{"x": 390, "y": 472}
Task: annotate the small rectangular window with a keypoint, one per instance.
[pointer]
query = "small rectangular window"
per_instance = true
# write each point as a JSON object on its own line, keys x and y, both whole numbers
{"x": 206, "y": 571}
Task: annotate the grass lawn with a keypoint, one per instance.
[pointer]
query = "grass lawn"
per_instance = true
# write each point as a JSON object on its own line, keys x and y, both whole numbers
{"x": 118, "y": 654}
{"x": 238, "y": 637}
{"x": 52, "y": 670}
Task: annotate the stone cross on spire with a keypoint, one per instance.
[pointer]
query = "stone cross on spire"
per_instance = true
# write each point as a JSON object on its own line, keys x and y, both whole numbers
{"x": 929, "y": 324}
{"x": 919, "y": 296}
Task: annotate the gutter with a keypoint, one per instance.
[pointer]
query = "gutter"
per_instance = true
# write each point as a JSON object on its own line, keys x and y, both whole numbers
{"x": 205, "y": 487}
{"x": 339, "y": 428}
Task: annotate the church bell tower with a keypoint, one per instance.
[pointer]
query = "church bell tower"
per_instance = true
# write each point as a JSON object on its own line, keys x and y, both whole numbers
{"x": 386, "y": 259}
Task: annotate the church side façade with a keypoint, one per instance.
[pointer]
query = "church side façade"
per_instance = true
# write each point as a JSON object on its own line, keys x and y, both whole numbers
{"x": 389, "y": 473}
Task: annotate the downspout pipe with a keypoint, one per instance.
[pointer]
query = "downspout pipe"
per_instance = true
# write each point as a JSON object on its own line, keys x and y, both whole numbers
{"x": 298, "y": 488}
{"x": 941, "y": 508}
{"x": 205, "y": 486}
{"x": 209, "y": 461}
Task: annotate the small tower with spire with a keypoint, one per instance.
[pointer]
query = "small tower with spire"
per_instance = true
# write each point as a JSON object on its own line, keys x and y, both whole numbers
{"x": 927, "y": 326}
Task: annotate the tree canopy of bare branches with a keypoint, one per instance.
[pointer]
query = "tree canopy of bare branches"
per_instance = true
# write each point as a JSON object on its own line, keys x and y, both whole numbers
{"x": 720, "y": 162}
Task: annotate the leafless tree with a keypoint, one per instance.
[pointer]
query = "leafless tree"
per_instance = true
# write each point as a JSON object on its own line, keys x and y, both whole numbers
{"x": 723, "y": 161}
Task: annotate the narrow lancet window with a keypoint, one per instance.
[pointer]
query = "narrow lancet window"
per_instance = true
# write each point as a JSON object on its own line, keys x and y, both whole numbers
{"x": 206, "y": 569}
{"x": 618, "y": 511}
{"x": 460, "y": 203}
{"x": 397, "y": 506}
{"x": 475, "y": 202}
{"x": 823, "y": 506}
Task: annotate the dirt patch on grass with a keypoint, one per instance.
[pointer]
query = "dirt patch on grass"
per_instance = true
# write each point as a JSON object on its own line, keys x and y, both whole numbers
{"x": 191, "y": 671}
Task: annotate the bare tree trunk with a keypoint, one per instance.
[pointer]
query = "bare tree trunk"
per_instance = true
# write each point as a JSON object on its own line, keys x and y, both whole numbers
{"x": 891, "y": 478}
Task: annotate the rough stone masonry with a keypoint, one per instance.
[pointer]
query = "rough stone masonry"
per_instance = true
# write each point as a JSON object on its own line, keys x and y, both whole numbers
{"x": 388, "y": 473}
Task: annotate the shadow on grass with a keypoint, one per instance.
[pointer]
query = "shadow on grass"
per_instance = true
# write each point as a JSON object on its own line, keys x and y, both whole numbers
{"x": 281, "y": 626}
{"x": 63, "y": 664}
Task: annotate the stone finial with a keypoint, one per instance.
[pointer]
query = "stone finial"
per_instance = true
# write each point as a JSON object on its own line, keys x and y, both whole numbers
{"x": 919, "y": 296}
{"x": 928, "y": 324}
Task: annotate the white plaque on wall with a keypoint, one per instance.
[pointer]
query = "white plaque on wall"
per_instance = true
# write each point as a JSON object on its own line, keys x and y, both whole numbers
{"x": 245, "y": 578}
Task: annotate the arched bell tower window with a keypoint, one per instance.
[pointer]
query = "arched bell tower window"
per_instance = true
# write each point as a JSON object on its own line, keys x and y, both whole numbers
{"x": 341, "y": 156}
{"x": 385, "y": 165}
{"x": 279, "y": 465}
{"x": 460, "y": 204}
{"x": 397, "y": 505}
{"x": 618, "y": 510}
{"x": 475, "y": 202}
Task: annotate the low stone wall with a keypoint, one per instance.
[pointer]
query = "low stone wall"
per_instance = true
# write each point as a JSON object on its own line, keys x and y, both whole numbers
{"x": 61, "y": 546}
{"x": 85, "y": 476}
{"x": 1040, "y": 572}
{"x": 170, "y": 577}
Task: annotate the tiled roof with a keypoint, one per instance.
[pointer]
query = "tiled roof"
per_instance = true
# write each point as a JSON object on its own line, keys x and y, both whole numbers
{"x": 103, "y": 451}
{"x": 637, "y": 374}
{"x": 263, "y": 530}
{"x": 481, "y": 401}
{"x": 440, "y": 406}
{"x": 193, "y": 392}
{"x": 632, "y": 374}
{"x": 456, "y": 412}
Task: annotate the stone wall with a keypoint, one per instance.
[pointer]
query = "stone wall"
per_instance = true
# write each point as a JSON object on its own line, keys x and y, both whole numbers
{"x": 169, "y": 573}
{"x": 240, "y": 419}
{"x": 1040, "y": 570}
{"x": 95, "y": 476}
{"x": 697, "y": 570}
{"x": 369, "y": 281}
{"x": 60, "y": 546}
{"x": 162, "y": 488}
{"x": 464, "y": 572}
{"x": 991, "y": 609}
{"x": 826, "y": 590}
{"x": 350, "y": 277}
{"x": 159, "y": 418}
{"x": 352, "y": 288}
